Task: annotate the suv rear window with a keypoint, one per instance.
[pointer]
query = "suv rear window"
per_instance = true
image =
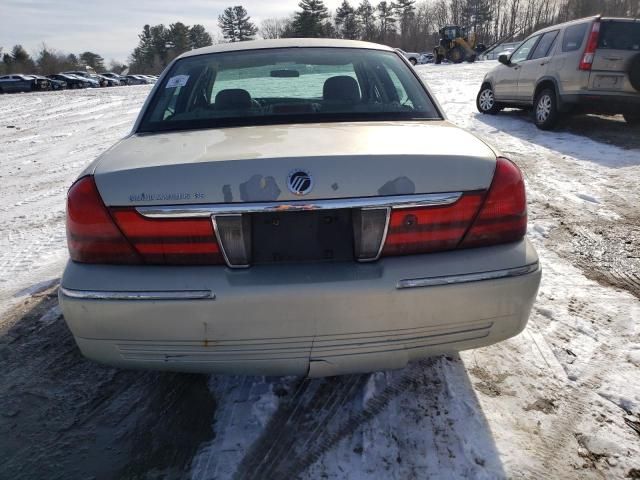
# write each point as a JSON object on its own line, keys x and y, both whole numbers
{"x": 619, "y": 35}
{"x": 573, "y": 36}
{"x": 286, "y": 85}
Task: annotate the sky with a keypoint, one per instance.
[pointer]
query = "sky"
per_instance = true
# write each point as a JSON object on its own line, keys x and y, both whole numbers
{"x": 111, "y": 27}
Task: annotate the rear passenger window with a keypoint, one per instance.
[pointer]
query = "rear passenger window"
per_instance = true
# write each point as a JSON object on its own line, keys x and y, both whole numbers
{"x": 544, "y": 45}
{"x": 573, "y": 37}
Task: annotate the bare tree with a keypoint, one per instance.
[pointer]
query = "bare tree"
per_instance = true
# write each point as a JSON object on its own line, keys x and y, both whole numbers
{"x": 274, "y": 27}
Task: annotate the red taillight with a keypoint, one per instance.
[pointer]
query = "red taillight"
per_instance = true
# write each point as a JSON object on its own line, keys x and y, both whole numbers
{"x": 92, "y": 236}
{"x": 592, "y": 43}
{"x": 181, "y": 241}
{"x": 503, "y": 216}
{"x": 123, "y": 236}
{"x": 476, "y": 219}
{"x": 430, "y": 229}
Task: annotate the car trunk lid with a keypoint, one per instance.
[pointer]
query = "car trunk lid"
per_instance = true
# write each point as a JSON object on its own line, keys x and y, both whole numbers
{"x": 253, "y": 164}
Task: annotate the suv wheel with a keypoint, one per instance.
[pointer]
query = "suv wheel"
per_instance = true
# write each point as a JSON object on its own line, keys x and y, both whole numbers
{"x": 413, "y": 61}
{"x": 632, "y": 118}
{"x": 545, "y": 109}
{"x": 486, "y": 101}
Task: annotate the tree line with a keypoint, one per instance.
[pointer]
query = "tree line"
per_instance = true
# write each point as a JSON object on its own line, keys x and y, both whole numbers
{"x": 48, "y": 61}
{"x": 408, "y": 24}
{"x": 413, "y": 25}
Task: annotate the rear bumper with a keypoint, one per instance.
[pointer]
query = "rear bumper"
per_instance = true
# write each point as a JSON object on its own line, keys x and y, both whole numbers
{"x": 300, "y": 320}
{"x": 602, "y": 103}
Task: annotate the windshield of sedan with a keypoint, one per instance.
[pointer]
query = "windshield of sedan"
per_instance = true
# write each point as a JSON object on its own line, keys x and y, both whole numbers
{"x": 286, "y": 85}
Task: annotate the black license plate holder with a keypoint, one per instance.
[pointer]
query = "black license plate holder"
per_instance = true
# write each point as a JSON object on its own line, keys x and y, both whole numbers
{"x": 302, "y": 236}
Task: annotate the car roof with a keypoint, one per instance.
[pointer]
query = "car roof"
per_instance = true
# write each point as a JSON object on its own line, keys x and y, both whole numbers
{"x": 285, "y": 43}
{"x": 581, "y": 20}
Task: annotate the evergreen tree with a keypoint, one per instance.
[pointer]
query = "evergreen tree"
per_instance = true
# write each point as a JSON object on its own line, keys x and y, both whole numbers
{"x": 405, "y": 11}
{"x": 7, "y": 63}
{"x": 347, "y": 24}
{"x": 236, "y": 24}
{"x": 476, "y": 14}
{"x": 178, "y": 40}
{"x": 159, "y": 48}
{"x": 199, "y": 37}
{"x": 72, "y": 62}
{"x": 387, "y": 20}
{"x": 19, "y": 61}
{"x": 93, "y": 60}
{"x": 310, "y": 20}
{"x": 367, "y": 20}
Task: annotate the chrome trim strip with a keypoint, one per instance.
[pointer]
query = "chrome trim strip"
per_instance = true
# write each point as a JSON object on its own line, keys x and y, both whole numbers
{"x": 466, "y": 278}
{"x": 221, "y": 244}
{"x": 160, "y": 295}
{"x": 207, "y": 210}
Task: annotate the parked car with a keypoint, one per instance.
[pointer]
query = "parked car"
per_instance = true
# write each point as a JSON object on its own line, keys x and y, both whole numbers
{"x": 426, "y": 57}
{"x": 591, "y": 65}
{"x": 198, "y": 246}
{"x": 21, "y": 83}
{"x": 106, "y": 81}
{"x": 411, "y": 56}
{"x": 41, "y": 83}
{"x": 120, "y": 78}
{"x": 53, "y": 84}
{"x": 93, "y": 79}
{"x": 72, "y": 81}
{"x": 137, "y": 80}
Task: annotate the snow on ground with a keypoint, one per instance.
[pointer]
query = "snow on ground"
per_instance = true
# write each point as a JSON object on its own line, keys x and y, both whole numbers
{"x": 45, "y": 141}
{"x": 561, "y": 400}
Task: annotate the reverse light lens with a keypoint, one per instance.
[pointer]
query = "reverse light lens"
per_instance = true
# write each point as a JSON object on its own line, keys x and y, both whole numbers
{"x": 369, "y": 226}
{"x": 234, "y": 234}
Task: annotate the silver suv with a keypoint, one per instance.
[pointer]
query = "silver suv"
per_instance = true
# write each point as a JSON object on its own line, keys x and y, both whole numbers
{"x": 591, "y": 65}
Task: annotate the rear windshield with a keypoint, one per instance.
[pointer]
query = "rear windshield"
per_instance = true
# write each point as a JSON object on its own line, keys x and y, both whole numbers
{"x": 619, "y": 35}
{"x": 286, "y": 85}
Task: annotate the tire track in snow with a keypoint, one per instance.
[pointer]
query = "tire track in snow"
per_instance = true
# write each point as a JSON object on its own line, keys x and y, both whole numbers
{"x": 321, "y": 414}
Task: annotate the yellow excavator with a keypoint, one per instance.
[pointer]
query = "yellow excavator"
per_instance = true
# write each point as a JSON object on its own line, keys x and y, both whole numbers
{"x": 456, "y": 45}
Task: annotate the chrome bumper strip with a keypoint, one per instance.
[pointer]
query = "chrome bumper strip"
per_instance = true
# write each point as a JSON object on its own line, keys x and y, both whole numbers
{"x": 466, "y": 278}
{"x": 162, "y": 295}
{"x": 396, "y": 201}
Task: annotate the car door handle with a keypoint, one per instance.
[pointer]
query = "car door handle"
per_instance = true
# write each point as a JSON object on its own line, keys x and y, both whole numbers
{"x": 543, "y": 63}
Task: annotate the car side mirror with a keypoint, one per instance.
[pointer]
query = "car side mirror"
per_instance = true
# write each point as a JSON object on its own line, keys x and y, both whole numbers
{"x": 504, "y": 59}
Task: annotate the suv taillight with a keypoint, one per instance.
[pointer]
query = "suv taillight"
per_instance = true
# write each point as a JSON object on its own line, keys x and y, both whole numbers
{"x": 477, "y": 219}
{"x": 590, "y": 50}
{"x": 118, "y": 235}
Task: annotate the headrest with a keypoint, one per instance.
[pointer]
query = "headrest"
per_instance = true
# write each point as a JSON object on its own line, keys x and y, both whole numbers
{"x": 341, "y": 88}
{"x": 233, "y": 99}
